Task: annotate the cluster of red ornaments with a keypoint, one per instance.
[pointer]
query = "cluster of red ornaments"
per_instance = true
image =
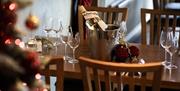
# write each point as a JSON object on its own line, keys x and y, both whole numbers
{"x": 124, "y": 53}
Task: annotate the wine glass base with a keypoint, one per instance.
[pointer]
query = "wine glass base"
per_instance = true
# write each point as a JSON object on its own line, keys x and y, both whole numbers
{"x": 66, "y": 58}
{"x": 73, "y": 61}
{"x": 166, "y": 64}
{"x": 172, "y": 67}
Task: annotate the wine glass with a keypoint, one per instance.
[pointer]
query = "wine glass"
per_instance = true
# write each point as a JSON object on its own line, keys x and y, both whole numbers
{"x": 57, "y": 27}
{"x": 74, "y": 42}
{"x": 48, "y": 26}
{"x": 173, "y": 49}
{"x": 64, "y": 38}
{"x": 165, "y": 41}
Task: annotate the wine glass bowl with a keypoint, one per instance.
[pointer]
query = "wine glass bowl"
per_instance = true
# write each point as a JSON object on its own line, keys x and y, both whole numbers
{"x": 48, "y": 26}
{"x": 173, "y": 49}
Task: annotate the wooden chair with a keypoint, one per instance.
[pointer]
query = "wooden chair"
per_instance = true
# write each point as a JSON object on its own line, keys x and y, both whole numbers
{"x": 160, "y": 4}
{"x": 108, "y": 15}
{"x": 150, "y": 33}
{"x": 110, "y": 72}
{"x": 50, "y": 70}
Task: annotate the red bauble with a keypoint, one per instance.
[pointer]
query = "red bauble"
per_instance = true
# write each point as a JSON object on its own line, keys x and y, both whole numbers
{"x": 32, "y": 22}
{"x": 134, "y": 51}
{"x": 120, "y": 53}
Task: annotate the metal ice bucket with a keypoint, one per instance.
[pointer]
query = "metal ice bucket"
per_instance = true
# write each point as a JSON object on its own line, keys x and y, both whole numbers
{"x": 101, "y": 42}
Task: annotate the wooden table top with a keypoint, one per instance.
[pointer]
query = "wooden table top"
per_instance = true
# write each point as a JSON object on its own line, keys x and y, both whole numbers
{"x": 170, "y": 78}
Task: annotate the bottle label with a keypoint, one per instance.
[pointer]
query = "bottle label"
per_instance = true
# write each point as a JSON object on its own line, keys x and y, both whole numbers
{"x": 88, "y": 16}
{"x": 102, "y": 25}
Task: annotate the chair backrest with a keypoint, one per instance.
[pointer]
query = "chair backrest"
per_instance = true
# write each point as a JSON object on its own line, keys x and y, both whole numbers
{"x": 112, "y": 73}
{"x": 153, "y": 21}
{"x": 55, "y": 67}
{"x": 108, "y": 15}
{"x": 160, "y": 4}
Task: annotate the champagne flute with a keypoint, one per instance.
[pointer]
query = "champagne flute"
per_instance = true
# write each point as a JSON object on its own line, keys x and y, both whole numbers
{"x": 74, "y": 42}
{"x": 165, "y": 41}
{"x": 64, "y": 38}
{"x": 173, "y": 49}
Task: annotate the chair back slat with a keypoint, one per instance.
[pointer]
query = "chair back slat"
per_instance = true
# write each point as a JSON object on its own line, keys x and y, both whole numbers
{"x": 131, "y": 84}
{"x": 119, "y": 81}
{"x": 143, "y": 81}
{"x": 152, "y": 29}
{"x": 107, "y": 80}
{"x": 118, "y": 75}
{"x": 97, "y": 80}
{"x": 143, "y": 27}
{"x": 174, "y": 22}
{"x": 166, "y": 22}
{"x": 110, "y": 18}
{"x": 158, "y": 28}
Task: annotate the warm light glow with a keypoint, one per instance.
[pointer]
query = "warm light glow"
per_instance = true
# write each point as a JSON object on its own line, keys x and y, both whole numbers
{"x": 35, "y": 19}
{"x": 45, "y": 89}
{"x": 17, "y": 41}
{"x": 22, "y": 45}
{"x": 12, "y": 6}
{"x": 8, "y": 41}
{"x": 38, "y": 76}
{"x": 24, "y": 84}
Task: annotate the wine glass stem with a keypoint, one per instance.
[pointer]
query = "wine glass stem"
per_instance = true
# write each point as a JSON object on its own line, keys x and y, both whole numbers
{"x": 56, "y": 50}
{"x": 65, "y": 54}
{"x": 171, "y": 59}
{"x": 165, "y": 56}
{"x": 73, "y": 53}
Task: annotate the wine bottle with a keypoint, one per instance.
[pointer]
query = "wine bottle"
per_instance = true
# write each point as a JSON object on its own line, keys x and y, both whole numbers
{"x": 93, "y": 21}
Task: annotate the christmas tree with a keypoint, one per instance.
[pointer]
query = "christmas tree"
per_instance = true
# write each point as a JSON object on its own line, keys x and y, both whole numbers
{"x": 17, "y": 65}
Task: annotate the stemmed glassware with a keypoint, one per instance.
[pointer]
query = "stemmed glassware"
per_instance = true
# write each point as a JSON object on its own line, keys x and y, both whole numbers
{"x": 57, "y": 27}
{"x": 48, "y": 26}
{"x": 64, "y": 38}
{"x": 74, "y": 42}
{"x": 174, "y": 45}
{"x": 165, "y": 41}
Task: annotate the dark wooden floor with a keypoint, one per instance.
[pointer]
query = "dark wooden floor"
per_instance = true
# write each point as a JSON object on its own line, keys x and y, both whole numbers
{"x": 73, "y": 85}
